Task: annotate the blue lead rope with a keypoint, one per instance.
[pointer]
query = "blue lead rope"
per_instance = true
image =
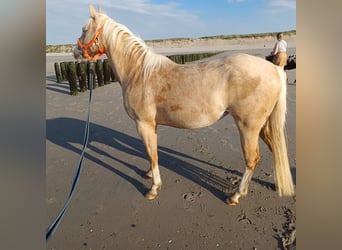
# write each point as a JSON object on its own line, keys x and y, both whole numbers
{"x": 54, "y": 225}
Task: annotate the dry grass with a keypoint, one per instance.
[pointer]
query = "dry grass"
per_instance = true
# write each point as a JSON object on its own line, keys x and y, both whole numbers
{"x": 67, "y": 48}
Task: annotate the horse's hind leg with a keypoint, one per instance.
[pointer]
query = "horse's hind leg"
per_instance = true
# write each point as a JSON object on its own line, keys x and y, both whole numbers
{"x": 250, "y": 146}
{"x": 148, "y": 133}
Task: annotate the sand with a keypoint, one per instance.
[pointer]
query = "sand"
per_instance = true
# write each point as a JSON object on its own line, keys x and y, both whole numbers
{"x": 199, "y": 168}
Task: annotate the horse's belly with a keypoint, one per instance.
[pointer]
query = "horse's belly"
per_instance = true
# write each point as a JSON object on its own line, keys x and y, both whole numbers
{"x": 190, "y": 120}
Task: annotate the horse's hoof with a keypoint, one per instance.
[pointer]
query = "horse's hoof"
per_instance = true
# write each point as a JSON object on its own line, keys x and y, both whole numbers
{"x": 232, "y": 202}
{"x": 150, "y": 195}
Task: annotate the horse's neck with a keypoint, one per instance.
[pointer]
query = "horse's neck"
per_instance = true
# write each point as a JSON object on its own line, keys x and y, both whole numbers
{"x": 126, "y": 54}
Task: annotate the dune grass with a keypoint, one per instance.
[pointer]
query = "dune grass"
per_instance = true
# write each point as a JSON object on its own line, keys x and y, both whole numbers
{"x": 234, "y": 36}
{"x": 67, "y": 48}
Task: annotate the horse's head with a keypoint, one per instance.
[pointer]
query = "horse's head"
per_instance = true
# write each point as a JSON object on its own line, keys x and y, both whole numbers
{"x": 89, "y": 45}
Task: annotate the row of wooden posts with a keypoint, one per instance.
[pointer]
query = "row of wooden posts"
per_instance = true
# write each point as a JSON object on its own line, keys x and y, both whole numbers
{"x": 182, "y": 59}
{"x": 74, "y": 72}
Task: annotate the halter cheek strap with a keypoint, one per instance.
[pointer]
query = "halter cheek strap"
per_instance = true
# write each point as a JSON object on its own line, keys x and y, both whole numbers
{"x": 85, "y": 47}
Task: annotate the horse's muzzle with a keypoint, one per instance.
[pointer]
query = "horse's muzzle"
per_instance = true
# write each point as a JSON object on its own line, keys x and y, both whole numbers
{"x": 78, "y": 53}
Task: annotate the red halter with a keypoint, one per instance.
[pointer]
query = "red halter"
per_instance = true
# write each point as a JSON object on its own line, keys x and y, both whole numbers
{"x": 85, "y": 47}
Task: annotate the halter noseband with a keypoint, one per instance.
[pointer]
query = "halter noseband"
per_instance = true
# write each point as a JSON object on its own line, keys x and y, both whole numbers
{"x": 85, "y": 47}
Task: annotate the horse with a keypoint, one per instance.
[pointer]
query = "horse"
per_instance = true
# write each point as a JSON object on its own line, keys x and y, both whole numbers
{"x": 157, "y": 91}
{"x": 290, "y": 64}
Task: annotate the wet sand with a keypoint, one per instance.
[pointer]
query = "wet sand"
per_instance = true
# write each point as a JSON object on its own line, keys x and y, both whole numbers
{"x": 199, "y": 168}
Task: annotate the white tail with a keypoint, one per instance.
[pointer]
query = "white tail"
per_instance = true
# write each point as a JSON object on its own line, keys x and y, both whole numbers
{"x": 274, "y": 131}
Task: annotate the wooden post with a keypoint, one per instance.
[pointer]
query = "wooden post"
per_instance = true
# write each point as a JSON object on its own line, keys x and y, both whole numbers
{"x": 82, "y": 75}
{"x": 64, "y": 70}
{"x": 58, "y": 72}
{"x": 188, "y": 58}
{"x": 94, "y": 76}
{"x": 72, "y": 77}
{"x": 99, "y": 72}
{"x": 106, "y": 71}
{"x": 112, "y": 75}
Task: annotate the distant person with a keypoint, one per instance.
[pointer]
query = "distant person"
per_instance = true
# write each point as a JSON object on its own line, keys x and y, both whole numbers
{"x": 279, "y": 51}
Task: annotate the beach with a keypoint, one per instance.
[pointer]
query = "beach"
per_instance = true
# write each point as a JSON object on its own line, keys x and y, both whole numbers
{"x": 199, "y": 168}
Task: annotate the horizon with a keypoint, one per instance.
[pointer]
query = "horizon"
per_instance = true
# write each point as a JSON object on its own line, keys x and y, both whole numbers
{"x": 230, "y": 36}
{"x": 164, "y": 19}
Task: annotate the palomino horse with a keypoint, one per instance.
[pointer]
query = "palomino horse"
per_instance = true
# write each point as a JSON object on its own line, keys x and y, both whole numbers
{"x": 157, "y": 91}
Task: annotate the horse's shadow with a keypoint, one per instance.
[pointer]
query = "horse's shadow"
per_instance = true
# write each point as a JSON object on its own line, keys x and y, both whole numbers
{"x": 67, "y": 131}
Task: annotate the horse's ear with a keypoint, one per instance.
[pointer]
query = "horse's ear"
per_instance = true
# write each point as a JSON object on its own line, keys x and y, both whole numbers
{"x": 92, "y": 11}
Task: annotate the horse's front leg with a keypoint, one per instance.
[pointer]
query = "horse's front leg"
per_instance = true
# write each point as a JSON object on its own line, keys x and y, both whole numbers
{"x": 148, "y": 133}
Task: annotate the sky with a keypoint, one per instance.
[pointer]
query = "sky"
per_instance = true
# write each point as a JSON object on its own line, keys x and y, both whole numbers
{"x": 160, "y": 19}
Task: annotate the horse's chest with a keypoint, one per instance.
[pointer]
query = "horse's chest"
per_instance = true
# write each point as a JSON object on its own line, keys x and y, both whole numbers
{"x": 129, "y": 106}
{"x": 134, "y": 103}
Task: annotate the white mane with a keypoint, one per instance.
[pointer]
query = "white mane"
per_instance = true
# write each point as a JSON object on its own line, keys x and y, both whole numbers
{"x": 134, "y": 47}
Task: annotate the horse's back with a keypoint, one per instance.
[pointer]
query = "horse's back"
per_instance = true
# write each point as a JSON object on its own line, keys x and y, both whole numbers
{"x": 250, "y": 65}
